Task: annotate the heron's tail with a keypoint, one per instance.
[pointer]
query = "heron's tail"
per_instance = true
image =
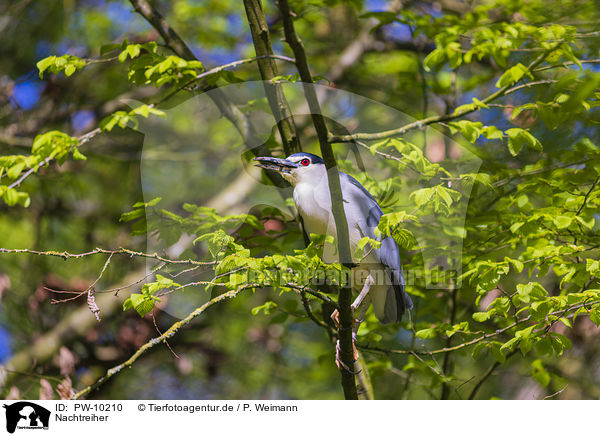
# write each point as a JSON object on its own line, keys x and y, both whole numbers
{"x": 397, "y": 301}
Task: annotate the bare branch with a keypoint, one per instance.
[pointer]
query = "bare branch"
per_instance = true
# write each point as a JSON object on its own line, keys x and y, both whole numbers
{"x": 268, "y": 71}
{"x": 487, "y": 374}
{"x": 344, "y": 293}
{"x": 227, "y": 108}
{"x": 242, "y": 62}
{"x": 173, "y": 40}
{"x": 124, "y": 251}
{"x": 155, "y": 341}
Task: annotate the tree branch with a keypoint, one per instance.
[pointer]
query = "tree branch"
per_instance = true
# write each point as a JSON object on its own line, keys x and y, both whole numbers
{"x": 268, "y": 71}
{"x": 242, "y": 62}
{"x": 507, "y": 89}
{"x": 228, "y": 109}
{"x": 157, "y": 21}
{"x": 487, "y": 374}
{"x": 155, "y": 341}
{"x": 335, "y": 190}
{"x": 76, "y": 323}
{"x": 65, "y": 255}
{"x": 447, "y": 357}
{"x": 473, "y": 341}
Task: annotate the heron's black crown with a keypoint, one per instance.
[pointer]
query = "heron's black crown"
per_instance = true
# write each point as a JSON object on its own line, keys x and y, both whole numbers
{"x": 314, "y": 159}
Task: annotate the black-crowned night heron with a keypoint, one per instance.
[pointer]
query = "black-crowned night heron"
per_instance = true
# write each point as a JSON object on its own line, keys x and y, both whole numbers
{"x": 379, "y": 273}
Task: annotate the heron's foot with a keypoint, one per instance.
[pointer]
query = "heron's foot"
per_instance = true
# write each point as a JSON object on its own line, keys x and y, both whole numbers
{"x": 335, "y": 317}
{"x": 338, "y": 358}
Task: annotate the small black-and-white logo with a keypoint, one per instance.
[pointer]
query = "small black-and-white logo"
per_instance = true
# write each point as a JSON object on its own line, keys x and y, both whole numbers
{"x": 26, "y": 415}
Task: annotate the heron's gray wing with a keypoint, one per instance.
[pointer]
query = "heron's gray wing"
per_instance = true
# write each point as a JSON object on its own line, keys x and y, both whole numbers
{"x": 388, "y": 254}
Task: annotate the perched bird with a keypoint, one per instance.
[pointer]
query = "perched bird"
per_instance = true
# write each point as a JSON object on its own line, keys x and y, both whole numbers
{"x": 380, "y": 268}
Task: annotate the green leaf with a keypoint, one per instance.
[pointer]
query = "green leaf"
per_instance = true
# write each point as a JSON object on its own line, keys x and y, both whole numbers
{"x": 587, "y": 223}
{"x": 14, "y": 171}
{"x": 562, "y": 222}
{"x": 55, "y": 64}
{"x": 23, "y": 199}
{"x": 44, "y": 64}
{"x": 69, "y": 70}
{"x": 268, "y": 308}
{"x": 77, "y": 155}
{"x": 133, "y": 50}
{"x": 517, "y": 138}
{"x": 359, "y": 252}
{"x": 531, "y": 291}
{"x": 513, "y": 75}
{"x": 594, "y": 315}
{"x": 517, "y": 264}
{"x": 426, "y": 333}
{"x": 539, "y": 373}
{"x": 434, "y": 59}
{"x": 492, "y": 132}
{"x": 469, "y": 129}
{"x": 497, "y": 352}
{"x": 11, "y": 197}
{"x": 516, "y": 111}
{"x": 142, "y": 304}
{"x": 481, "y": 316}
{"x": 478, "y": 349}
{"x": 561, "y": 341}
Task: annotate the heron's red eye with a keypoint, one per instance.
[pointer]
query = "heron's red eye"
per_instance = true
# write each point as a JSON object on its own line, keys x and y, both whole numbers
{"x": 304, "y": 162}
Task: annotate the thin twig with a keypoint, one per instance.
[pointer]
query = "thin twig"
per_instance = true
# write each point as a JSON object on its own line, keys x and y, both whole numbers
{"x": 312, "y": 292}
{"x": 65, "y": 255}
{"x": 120, "y": 288}
{"x": 547, "y": 397}
{"x": 587, "y": 195}
{"x": 486, "y": 375}
{"x": 155, "y": 341}
{"x": 29, "y": 172}
{"x": 436, "y": 371}
{"x": 160, "y": 333}
{"x": 280, "y": 107}
{"x": 310, "y": 313}
{"x": 471, "y": 342}
{"x": 386, "y": 155}
{"x": 242, "y": 62}
{"x": 79, "y": 294}
{"x": 419, "y": 124}
{"x": 566, "y": 64}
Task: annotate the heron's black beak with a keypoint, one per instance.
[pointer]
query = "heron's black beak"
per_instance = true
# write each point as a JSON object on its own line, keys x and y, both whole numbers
{"x": 275, "y": 164}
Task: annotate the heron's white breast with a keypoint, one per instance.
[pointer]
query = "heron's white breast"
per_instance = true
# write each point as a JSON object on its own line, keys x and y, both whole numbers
{"x": 315, "y": 208}
{"x": 314, "y": 205}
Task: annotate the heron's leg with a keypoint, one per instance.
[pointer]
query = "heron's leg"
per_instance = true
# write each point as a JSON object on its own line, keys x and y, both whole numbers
{"x": 369, "y": 281}
{"x": 361, "y": 315}
{"x": 361, "y": 301}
